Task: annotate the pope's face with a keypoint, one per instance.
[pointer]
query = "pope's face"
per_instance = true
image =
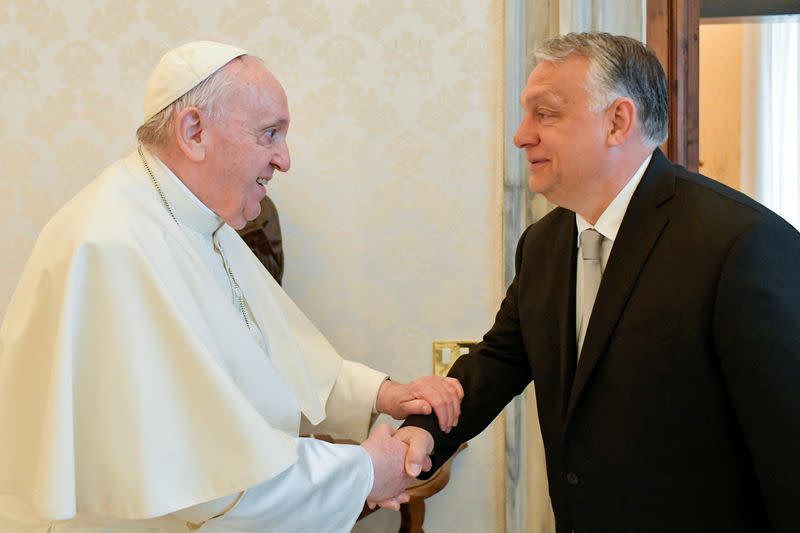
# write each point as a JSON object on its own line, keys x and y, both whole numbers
{"x": 249, "y": 144}
{"x": 562, "y": 135}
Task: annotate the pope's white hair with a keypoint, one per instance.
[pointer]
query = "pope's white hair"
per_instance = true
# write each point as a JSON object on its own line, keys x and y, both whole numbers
{"x": 210, "y": 96}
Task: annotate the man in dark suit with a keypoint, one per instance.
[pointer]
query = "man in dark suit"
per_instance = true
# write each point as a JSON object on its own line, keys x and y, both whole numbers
{"x": 669, "y": 397}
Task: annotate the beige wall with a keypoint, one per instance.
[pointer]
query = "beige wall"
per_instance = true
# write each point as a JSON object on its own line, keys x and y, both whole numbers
{"x": 392, "y": 210}
{"x": 720, "y": 101}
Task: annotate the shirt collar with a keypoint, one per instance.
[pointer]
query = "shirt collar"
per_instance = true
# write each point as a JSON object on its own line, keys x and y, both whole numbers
{"x": 611, "y": 219}
{"x": 186, "y": 207}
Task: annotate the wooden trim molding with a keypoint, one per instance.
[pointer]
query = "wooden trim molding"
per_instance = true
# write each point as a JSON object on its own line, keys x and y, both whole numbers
{"x": 673, "y": 28}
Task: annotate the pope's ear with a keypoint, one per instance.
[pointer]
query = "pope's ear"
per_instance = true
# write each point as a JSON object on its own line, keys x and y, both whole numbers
{"x": 190, "y": 133}
{"x": 621, "y": 121}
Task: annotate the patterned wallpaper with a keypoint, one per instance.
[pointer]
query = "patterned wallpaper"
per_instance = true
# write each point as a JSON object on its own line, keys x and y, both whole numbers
{"x": 392, "y": 209}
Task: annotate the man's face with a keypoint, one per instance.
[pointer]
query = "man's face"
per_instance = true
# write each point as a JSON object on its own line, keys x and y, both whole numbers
{"x": 249, "y": 144}
{"x": 563, "y": 138}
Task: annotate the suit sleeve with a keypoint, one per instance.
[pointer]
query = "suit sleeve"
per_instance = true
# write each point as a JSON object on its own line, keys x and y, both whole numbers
{"x": 757, "y": 337}
{"x": 495, "y": 371}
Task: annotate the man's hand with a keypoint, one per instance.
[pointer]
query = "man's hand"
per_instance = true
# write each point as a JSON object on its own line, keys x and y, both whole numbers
{"x": 430, "y": 393}
{"x": 388, "y": 463}
{"x": 420, "y": 446}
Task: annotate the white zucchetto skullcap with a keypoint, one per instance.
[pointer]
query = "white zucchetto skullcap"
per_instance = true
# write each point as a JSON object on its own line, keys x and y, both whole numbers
{"x": 183, "y": 68}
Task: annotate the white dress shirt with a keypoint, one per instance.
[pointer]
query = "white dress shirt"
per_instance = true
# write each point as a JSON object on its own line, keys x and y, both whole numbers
{"x": 608, "y": 226}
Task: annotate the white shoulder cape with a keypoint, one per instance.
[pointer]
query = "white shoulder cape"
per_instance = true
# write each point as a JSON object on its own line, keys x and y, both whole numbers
{"x": 129, "y": 385}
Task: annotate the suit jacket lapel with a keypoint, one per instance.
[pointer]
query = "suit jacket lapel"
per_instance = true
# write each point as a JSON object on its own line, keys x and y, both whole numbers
{"x": 564, "y": 298}
{"x": 640, "y": 229}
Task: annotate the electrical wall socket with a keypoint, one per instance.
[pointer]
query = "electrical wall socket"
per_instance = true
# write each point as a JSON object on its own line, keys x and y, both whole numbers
{"x": 445, "y": 354}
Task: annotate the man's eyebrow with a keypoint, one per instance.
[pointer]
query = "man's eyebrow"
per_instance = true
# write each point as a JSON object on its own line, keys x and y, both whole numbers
{"x": 548, "y": 95}
{"x": 281, "y": 122}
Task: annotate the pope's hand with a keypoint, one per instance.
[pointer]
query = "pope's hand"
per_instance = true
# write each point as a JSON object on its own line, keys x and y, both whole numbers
{"x": 420, "y": 446}
{"x": 388, "y": 463}
{"x": 430, "y": 393}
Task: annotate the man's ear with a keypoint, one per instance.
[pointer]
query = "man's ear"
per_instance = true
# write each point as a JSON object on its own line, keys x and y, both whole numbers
{"x": 190, "y": 133}
{"x": 621, "y": 121}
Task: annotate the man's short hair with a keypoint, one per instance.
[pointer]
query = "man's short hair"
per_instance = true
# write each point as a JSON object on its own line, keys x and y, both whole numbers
{"x": 620, "y": 66}
{"x": 209, "y": 95}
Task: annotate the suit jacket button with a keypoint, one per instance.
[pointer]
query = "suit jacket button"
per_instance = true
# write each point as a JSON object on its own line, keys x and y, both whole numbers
{"x": 572, "y": 478}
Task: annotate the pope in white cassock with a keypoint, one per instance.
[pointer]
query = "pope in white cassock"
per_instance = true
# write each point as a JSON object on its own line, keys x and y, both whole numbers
{"x": 153, "y": 376}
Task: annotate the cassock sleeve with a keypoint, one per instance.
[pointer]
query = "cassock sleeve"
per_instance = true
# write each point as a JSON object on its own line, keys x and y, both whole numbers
{"x": 324, "y": 490}
{"x": 351, "y": 404}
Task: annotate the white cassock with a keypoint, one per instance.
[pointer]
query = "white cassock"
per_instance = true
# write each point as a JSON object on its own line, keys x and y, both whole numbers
{"x": 139, "y": 392}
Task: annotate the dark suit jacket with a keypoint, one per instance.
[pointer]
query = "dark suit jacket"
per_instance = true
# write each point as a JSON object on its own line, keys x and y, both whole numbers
{"x": 684, "y": 410}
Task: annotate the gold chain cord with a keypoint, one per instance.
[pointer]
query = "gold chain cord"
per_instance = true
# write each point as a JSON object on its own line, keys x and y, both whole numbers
{"x": 237, "y": 291}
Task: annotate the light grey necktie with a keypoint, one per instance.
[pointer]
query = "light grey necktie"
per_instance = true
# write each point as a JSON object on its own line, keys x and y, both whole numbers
{"x": 591, "y": 241}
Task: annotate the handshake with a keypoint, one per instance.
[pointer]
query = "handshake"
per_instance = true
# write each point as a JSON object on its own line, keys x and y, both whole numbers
{"x": 399, "y": 456}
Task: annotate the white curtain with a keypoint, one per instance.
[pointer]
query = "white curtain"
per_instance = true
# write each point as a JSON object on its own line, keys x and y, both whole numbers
{"x": 771, "y": 116}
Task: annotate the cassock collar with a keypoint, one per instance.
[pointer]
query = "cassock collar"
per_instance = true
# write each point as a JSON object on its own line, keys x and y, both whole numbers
{"x": 187, "y": 207}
